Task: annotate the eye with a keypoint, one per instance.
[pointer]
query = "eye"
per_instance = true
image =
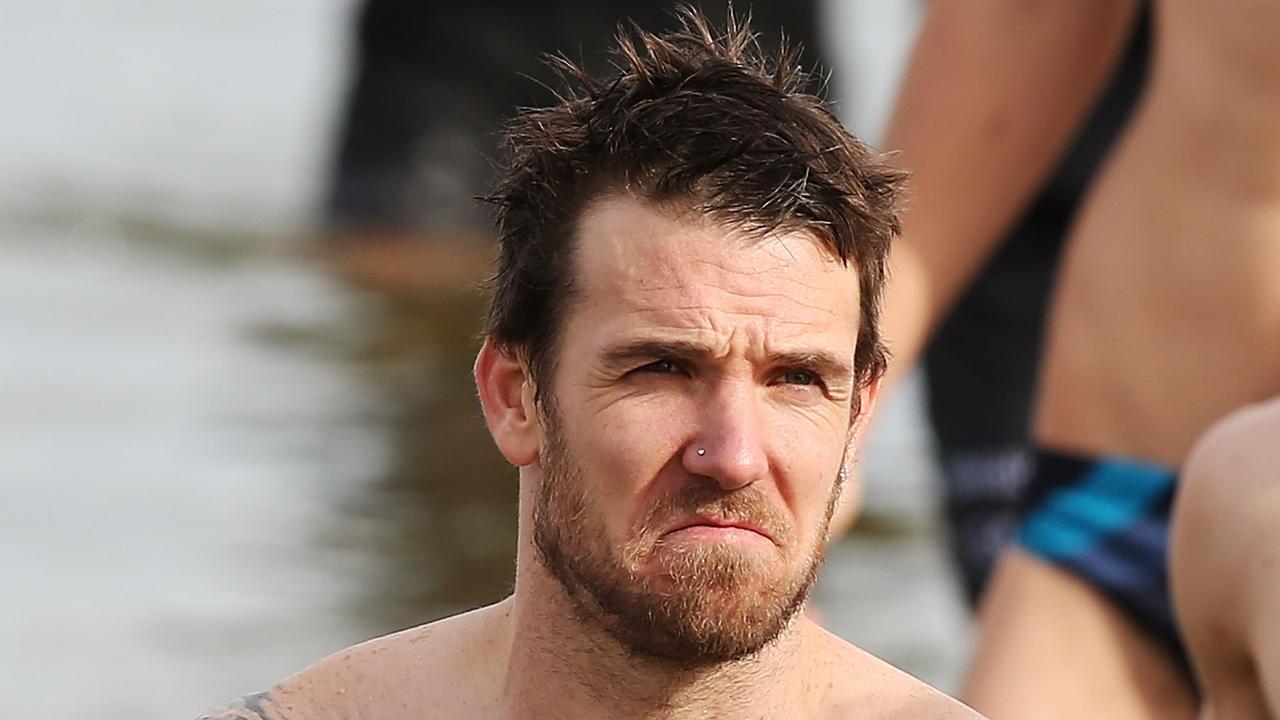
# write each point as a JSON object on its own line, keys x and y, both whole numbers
{"x": 664, "y": 366}
{"x": 801, "y": 377}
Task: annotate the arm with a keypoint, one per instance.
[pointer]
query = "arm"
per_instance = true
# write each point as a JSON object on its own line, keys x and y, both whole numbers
{"x": 992, "y": 96}
{"x": 1266, "y": 636}
{"x": 320, "y": 691}
{"x": 1225, "y": 560}
{"x": 258, "y": 706}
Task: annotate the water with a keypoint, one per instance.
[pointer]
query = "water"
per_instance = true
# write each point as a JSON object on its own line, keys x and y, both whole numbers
{"x": 218, "y": 470}
{"x": 220, "y": 463}
{"x": 212, "y": 114}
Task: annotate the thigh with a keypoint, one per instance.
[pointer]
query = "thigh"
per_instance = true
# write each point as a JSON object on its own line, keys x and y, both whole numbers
{"x": 1052, "y": 647}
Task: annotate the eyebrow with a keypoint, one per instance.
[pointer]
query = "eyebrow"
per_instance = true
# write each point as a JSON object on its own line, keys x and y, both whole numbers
{"x": 648, "y": 349}
{"x": 829, "y": 366}
{"x": 832, "y": 368}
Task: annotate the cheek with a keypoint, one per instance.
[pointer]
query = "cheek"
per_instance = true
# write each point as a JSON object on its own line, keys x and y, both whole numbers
{"x": 807, "y": 456}
{"x": 621, "y": 452}
{"x": 641, "y": 431}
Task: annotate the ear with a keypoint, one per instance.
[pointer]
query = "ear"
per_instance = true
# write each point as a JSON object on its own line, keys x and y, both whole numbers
{"x": 507, "y": 398}
{"x": 867, "y": 396}
{"x": 849, "y": 506}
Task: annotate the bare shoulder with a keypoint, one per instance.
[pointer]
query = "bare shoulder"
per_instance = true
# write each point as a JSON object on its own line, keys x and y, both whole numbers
{"x": 258, "y": 706}
{"x": 383, "y": 677}
{"x": 1230, "y": 483}
{"x": 1225, "y": 535}
{"x": 866, "y": 686}
{"x": 1226, "y": 561}
{"x": 1230, "y": 487}
{"x": 1239, "y": 449}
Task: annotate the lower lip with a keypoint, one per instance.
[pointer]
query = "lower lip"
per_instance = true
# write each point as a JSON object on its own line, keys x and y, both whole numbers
{"x": 715, "y": 533}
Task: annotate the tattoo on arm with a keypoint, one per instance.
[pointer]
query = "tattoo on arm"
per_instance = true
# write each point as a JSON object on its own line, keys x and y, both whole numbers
{"x": 258, "y": 706}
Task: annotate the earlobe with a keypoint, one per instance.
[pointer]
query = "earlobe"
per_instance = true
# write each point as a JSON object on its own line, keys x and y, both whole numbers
{"x": 506, "y": 397}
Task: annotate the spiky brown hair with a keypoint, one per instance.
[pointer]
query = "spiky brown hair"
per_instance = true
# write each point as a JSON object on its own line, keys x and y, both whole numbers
{"x": 697, "y": 116}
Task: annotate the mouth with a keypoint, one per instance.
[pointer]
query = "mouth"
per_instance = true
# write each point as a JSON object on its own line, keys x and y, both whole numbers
{"x": 713, "y": 526}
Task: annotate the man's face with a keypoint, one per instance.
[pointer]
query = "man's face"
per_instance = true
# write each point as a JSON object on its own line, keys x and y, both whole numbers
{"x": 699, "y": 417}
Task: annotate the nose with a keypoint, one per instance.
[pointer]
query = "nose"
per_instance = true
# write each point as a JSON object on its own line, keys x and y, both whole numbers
{"x": 729, "y": 445}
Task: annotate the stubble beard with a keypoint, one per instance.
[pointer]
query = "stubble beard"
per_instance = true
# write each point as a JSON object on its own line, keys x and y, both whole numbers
{"x": 709, "y": 604}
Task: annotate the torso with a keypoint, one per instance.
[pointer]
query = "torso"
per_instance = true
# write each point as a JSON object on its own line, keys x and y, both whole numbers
{"x": 1168, "y": 309}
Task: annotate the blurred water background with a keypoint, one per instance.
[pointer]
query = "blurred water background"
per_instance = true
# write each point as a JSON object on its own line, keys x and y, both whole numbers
{"x": 219, "y": 461}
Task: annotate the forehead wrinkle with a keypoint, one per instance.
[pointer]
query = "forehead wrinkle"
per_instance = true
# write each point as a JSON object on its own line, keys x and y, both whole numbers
{"x": 728, "y": 276}
{"x": 757, "y": 338}
{"x": 751, "y": 273}
{"x": 696, "y": 317}
{"x": 700, "y": 315}
{"x": 704, "y": 275}
{"x": 681, "y": 242}
{"x": 630, "y": 292}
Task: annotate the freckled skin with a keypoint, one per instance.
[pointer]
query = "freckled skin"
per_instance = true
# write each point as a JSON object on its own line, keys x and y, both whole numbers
{"x": 743, "y": 309}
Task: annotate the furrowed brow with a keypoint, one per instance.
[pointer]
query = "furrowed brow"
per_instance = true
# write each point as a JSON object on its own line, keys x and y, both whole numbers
{"x": 635, "y": 350}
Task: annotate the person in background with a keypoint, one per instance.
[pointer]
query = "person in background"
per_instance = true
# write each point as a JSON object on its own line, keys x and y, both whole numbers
{"x": 1164, "y": 316}
{"x": 1225, "y": 563}
{"x": 986, "y": 351}
{"x": 432, "y": 84}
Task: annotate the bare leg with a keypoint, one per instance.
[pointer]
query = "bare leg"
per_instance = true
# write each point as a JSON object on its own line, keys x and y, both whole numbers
{"x": 1052, "y": 647}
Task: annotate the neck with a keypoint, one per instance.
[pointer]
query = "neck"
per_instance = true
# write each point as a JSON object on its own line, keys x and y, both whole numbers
{"x": 561, "y": 666}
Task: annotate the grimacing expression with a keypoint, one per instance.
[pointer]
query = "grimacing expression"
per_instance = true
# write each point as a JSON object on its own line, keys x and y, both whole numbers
{"x": 700, "y": 413}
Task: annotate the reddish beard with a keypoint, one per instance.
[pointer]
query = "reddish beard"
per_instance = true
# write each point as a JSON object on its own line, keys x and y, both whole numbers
{"x": 709, "y": 603}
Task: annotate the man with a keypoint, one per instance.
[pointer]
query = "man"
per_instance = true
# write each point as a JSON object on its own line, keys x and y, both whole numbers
{"x": 986, "y": 352}
{"x": 1226, "y": 564}
{"x": 680, "y": 349}
{"x": 1165, "y": 316}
